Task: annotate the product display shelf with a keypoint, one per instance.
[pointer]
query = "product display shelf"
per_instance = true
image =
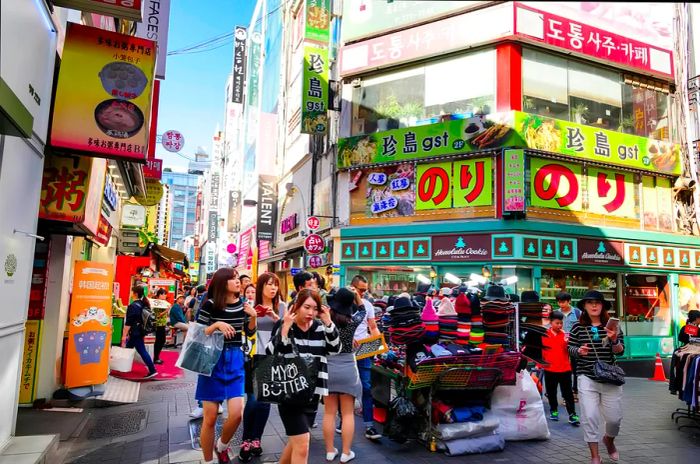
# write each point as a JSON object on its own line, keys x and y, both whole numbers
{"x": 608, "y": 293}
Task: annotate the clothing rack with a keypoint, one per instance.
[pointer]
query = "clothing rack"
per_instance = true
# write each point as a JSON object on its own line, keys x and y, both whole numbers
{"x": 690, "y": 412}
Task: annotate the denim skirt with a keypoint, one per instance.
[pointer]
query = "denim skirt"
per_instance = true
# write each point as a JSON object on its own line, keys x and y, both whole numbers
{"x": 227, "y": 379}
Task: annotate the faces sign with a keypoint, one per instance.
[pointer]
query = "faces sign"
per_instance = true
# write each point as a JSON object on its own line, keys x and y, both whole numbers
{"x": 103, "y": 95}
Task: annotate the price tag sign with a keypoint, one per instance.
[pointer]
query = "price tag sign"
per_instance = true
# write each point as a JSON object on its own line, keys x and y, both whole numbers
{"x": 314, "y": 244}
{"x": 313, "y": 223}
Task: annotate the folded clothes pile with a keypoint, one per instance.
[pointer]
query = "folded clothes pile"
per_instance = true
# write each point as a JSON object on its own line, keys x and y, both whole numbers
{"x": 430, "y": 321}
{"x": 464, "y": 319}
{"x": 405, "y": 324}
{"x": 498, "y": 315}
{"x": 448, "y": 328}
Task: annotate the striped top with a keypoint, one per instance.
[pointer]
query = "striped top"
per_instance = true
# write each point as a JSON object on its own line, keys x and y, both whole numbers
{"x": 319, "y": 341}
{"x": 232, "y": 314}
{"x": 585, "y": 335}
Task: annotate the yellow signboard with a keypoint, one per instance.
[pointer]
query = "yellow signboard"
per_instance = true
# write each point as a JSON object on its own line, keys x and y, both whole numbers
{"x": 30, "y": 361}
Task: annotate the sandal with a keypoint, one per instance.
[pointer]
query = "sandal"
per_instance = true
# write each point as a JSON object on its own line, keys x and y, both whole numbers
{"x": 614, "y": 454}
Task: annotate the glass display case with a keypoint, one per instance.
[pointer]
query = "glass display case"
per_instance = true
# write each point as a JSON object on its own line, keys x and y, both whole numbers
{"x": 647, "y": 309}
{"x": 577, "y": 283}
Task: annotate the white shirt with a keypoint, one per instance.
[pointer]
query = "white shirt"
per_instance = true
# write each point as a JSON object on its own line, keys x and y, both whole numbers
{"x": 362, "y": 330}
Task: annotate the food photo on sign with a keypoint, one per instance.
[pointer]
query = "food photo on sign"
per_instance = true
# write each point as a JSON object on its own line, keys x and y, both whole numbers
{"x": 386, "y": 192}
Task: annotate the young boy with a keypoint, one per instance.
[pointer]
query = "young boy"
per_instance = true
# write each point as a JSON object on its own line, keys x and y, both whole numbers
{"x": 558, "y": 368}
{"x": 571, "y": 316}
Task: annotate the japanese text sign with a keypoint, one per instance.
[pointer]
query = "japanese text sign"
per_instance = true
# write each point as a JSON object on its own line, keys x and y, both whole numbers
{"x": 314, "y": 244}
{"x": 611, "y": 193}
{"x": 318, "y": 20}
{"x": 313, "y": 223}
{"x": 103, "y": 94}
{"x": 459, "y": 184}
{"x": 239, "y": 63}
{"x": 314, "y": 119}
{"x": 587, "y": 40}
{"x": 390, "y": 191}
{"x": 30, "y": 356}
{"x": 554, "y": 184}
{"x": 514, "y": 181}
{"x": 89, "y": 324}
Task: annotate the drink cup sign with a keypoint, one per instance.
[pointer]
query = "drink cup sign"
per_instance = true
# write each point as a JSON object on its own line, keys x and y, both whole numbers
{"x": 313, "y": 223}
{"x": 314, "y": 244}
{"x": 173, "y": 141}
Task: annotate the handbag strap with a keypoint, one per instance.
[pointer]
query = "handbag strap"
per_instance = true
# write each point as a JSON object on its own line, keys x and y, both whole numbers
{"x": 595, "y": 352}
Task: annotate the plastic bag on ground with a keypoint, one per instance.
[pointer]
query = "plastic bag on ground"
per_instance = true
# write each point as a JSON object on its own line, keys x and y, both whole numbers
{"x": 520, "y": 410}
{"x": 121, "y": 359}
{"x": 200, "y": 352}
{"x": 486, "y": 426}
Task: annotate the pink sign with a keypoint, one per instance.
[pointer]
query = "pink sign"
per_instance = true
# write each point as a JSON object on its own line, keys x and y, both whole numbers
{"x": 314, "y": 244}
{"x": 313, "y": 223}
{"x": 231, "y": 248}
{"x": 315, "y": 261}
{"x": 264, "y": 250}
{"x": 153, "y": 169}
{"x": 173, "y": 141}
{"x": 289, "y": 223}
{"x": 560, "y": 32}
{"x": 244, "y": 254}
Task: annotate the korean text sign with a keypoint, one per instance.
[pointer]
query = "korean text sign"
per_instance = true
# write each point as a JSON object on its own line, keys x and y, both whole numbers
{"x": 103, "y": 95}
{"x": 89, "y": 324}
{"x": 314, "y": 119}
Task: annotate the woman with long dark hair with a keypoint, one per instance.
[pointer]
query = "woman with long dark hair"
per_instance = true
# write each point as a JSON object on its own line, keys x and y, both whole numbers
{"x": 270, "y": 308}
{"x": 224, "y": 311}
{"x": 589, "y": 341}
{"x": 134, "y": 320}
{"x": 161, "y": 309}
{"x": 314, "y": 338}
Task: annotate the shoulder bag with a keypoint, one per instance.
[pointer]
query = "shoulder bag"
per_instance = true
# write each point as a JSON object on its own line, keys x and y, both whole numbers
{"x": 606, "y": 372}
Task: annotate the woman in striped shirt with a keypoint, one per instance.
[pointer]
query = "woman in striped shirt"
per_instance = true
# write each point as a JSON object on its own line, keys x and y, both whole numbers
{"x": 313, "y": 337}
{"x": 590, "y": 341}
{"x": 224, "y": 311}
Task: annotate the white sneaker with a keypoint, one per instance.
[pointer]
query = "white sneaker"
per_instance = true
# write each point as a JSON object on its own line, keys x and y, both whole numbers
{"x": 221, "y": 409}
{"x": 197, "y": 413}
{"x": 331, "y": 456}
{"x": 347, "y": 457}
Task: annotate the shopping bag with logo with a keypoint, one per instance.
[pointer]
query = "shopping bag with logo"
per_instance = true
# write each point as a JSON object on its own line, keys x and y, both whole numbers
{"x": 285, "y": 379}
{"x": 520, "y": 410}
{"x": 200, "y": 352}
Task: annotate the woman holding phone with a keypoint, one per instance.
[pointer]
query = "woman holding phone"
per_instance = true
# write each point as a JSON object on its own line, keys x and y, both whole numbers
{"x": 313, "y": 337}
{"x": 270, "y": 309}
{"x": 224, "y": 311}
{"x": 590, "y": 340}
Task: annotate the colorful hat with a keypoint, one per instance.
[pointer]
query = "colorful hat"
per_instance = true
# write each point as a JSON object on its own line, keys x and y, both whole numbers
{"x": 429, "y": 314}
{"x": 462, "y": 305}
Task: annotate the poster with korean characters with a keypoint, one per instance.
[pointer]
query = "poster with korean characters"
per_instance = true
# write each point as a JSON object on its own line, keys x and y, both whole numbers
{"x": 103, "y": 94}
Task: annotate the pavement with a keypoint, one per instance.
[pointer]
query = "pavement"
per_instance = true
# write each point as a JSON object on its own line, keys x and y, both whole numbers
{"x": 156, "y": 430}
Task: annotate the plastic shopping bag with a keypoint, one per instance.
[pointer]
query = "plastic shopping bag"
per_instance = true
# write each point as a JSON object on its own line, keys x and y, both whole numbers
{"x": 520, "y": 410}
{"x": 200, "y": 352}
{"x": 121, "y": 359}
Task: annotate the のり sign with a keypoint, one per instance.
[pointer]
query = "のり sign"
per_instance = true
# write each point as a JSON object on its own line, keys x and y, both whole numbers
{"x": 103, "y": 94}
{"x": 89, "y": 324}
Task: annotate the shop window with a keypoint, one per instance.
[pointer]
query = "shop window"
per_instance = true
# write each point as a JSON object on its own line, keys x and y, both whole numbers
{"x": 594, "y": 96}
{"x": 388, "y": 281}
{"x": 545, "y": 85}
{"x": 645, "y": 112}
{"x": 577, "y": 283}
{"x": 647, "y": 308}
{"x": 426, "y": 94}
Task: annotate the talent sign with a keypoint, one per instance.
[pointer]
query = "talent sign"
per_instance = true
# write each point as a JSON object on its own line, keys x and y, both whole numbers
{"x": 126, "y": 9}
{"x": 581, "y": 38}
{"x": 154, "y": 26}
{"x": 314, "y": 100}
{"x": 512, "y": 129}
{"x": 173, "y": 141}
{"x": 103, "y": 94}
{"x": 313, "y": 223}
{"x": 555, "y": 184}
{"x": 240, "y": 37}
{"x": 30, "y": 358}
{"x": 267, "y": 207}
{"x": 89, "y": 324}
{"x": 458, "y": 184}
{"x": 314, "y": 244}
{"x": 318, "y": 20}
{"x": 514, "y": 181}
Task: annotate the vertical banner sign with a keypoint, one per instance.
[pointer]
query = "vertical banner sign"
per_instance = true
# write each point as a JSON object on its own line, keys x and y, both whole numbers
{"x": 103, "y": 94}
{"x": 555, "y": 184}
{"x": 267, "y": 207}
{"x": 234, "y": 211}
{"x": 240, "y": 37}
{"x": 30, "y": 358}
{"x": 154, "y": 26}
{"x": 514, "y": 181}
{"x": 612, "y": 193}
{"x": 153, "y": 169}
{"x": 664, "y": 188}
{"x": 314, "y": 100}
{"x": 214, "y": 191}
{"x": 90, "y": 324}
{"x": 213, "y": 226}
{"x": 318, "y": 20}
{"x": 650, "y": 204}
{"x": 253, "y": 67}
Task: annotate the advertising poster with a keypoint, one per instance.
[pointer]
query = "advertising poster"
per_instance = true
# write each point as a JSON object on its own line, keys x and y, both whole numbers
{"x": 103, "y": 95}
{"x": 314, "y": 99}
{"x": 664, "y": 190}
{"x": 514, "y": 181}
{"x": 651, "y": 204}
{"x": 612, "y": 192}
{"x": 318, "y": 20}
{"x": 170, "y": 285}
{"x": 458, "y": 184}
{"x": 389, "y": 192}
{"x": 30, "y": 357}
{"x": 89, "y": 324}
{"x": 511, "y": 129}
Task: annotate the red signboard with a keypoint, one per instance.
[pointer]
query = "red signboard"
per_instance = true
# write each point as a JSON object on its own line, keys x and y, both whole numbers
{"x": 153, "y": 169}
{"x": 581, "y": 38}
{"x": 104, "y": 231}
{"x": 314, "y": 244}
{"x": 313, "y": 223}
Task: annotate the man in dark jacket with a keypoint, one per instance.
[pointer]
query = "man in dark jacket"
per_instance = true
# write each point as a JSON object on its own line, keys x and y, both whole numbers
{"x": 134, "y": 320}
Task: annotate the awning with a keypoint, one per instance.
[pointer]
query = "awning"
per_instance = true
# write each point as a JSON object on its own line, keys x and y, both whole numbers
{"x": 169, "y": 254}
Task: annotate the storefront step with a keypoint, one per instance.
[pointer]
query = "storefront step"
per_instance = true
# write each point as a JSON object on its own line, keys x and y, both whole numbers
{"x": 32, "y": 449}
{"x": 643, "y": 368}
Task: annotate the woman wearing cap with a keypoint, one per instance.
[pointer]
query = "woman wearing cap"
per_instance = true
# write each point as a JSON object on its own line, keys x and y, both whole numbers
{"x": 601, "y": 403}
{"x": 343, "y": 377}
{"x": 690, "y": 329}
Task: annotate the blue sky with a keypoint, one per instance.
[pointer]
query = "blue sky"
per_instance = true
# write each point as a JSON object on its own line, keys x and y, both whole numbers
{"x": 192, "y": 94}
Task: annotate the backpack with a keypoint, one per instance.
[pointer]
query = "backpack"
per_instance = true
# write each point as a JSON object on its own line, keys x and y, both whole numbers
{"x": 577, "y": 312}
{"x": 148, "y": 320}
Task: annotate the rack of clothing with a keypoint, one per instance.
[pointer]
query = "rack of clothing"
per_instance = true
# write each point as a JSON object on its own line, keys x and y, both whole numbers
{"x": 685, "y": 382}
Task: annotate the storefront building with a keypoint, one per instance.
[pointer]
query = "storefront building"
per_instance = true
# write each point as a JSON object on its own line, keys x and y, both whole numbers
{"x": 555, "y": 162}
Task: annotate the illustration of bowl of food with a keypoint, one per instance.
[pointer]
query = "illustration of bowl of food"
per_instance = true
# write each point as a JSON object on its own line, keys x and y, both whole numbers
{"x": 119, "y": 118}
{"x": 123, "y": 80}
